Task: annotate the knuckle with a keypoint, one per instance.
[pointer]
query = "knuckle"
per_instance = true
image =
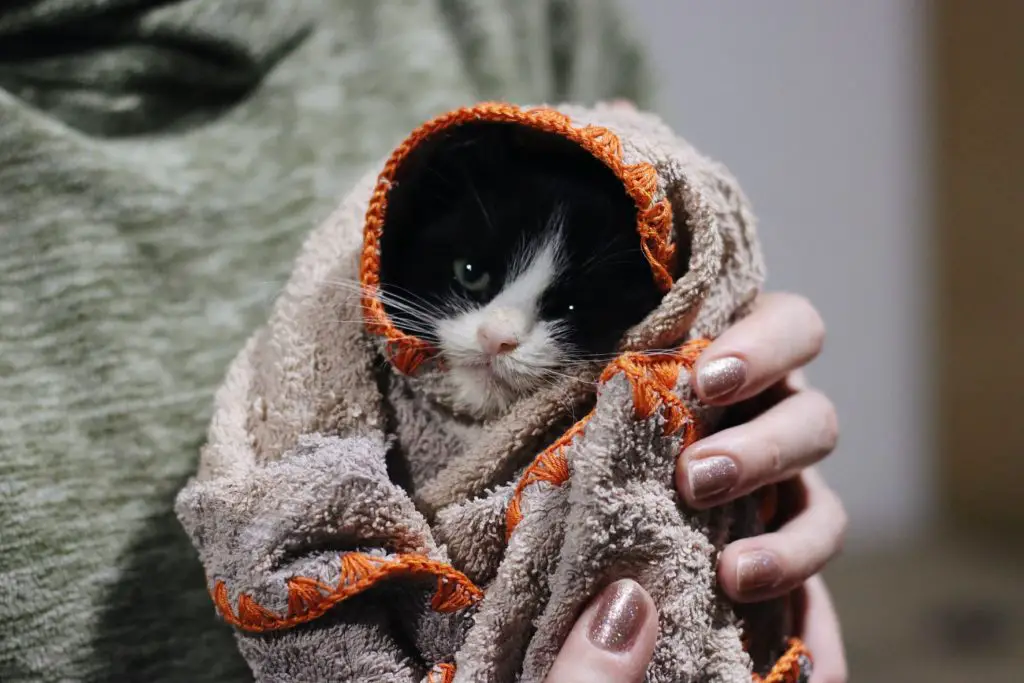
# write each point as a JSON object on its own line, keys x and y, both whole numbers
{"x": 774, "y": 464}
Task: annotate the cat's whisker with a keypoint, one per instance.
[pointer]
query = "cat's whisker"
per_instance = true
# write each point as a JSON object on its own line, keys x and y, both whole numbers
{"x": 399, "y": 317}
{"x": 420, "y": 308}
{"x": 362, "y": 321}
{"x": 479, "y": 202}
{"x": 604, "y": 259}
{"x": 411, "y": 321}
{"x": 416, "y": 325}
{"x": 552, "y": 373}
{"x": 410, "y": 297}
{"x": 410, "y": 304}
{"x": 578, "y": 380}
{"x": 403, "y": 310}
{"x": 591, "y": 357}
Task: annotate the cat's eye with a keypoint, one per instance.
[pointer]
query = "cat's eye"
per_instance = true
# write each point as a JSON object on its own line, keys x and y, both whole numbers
{"x": 471, "y": 277}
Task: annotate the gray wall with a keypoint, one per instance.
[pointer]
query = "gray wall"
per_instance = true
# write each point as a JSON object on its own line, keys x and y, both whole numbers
{"x": 819, "y": 109}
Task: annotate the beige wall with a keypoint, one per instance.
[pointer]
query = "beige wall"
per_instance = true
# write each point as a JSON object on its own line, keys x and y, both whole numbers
{"x": 819, "y": 108}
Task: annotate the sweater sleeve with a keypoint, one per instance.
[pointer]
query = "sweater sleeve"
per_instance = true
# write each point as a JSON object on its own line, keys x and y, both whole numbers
{"x": 553, "y": 51}
{"x": 596, "y": 53}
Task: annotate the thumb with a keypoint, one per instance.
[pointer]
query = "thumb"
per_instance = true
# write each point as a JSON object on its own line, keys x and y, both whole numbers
{"x": 613, "y": 639}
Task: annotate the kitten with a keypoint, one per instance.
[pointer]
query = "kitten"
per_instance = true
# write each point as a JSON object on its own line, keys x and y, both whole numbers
{"x": 516, "y": 254}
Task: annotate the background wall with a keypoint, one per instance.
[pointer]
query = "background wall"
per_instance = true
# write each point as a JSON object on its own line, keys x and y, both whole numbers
{"x": 820, "y": 110}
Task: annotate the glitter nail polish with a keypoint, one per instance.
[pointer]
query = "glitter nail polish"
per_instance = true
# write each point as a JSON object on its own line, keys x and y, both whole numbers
{"x": 619, "y": 617}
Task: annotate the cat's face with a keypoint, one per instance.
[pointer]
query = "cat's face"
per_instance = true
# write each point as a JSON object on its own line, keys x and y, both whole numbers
{"x": 518, "y": 279}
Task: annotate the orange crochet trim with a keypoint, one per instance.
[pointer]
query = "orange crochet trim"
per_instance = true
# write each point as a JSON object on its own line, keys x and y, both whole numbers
{"x": 789, "y": 667}
{"x": 654, "y": 218}
{"x": 441, "y": 673}
{"x": 309, "y": 598}
{"x": 653, "y": 377}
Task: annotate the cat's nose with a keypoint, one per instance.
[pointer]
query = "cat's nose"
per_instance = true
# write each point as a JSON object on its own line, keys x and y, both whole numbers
{"x": 497, "y": 337}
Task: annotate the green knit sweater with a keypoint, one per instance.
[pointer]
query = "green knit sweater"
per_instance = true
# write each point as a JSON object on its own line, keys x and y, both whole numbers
{"x": 160, "y": 163}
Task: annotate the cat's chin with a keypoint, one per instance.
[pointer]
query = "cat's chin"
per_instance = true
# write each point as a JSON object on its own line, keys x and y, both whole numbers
{"x": 479, "y": 390}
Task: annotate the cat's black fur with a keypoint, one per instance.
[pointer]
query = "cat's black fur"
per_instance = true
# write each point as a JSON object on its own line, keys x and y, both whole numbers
{"x": 479, "y": 191}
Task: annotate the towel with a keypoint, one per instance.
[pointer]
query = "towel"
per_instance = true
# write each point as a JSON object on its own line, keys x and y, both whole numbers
{"x": 355, "y": 524}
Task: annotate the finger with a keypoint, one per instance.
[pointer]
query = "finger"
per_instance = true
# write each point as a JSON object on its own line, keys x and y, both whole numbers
{"x": 622, "y": 103}
{"x": 776, "y": 445}
{"x": 783, "y": 333}
{"x": 822, "y": 634}
{"x": 797, "y": 381}
{"x": 769, "y": 565}
{"x": 612, "y": 641}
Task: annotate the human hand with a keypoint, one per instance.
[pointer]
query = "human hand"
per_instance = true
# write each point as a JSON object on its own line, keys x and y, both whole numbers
{"x": 783, "y": 428}
{"x": 613, "y": 640}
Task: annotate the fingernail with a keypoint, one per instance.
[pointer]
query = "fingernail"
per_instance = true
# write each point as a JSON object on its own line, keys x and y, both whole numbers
{"x": 721, "y": 377}
{"x": 710, "y": 477}
{"x": 620, "y": 615}
{"x": 757, "y": 571}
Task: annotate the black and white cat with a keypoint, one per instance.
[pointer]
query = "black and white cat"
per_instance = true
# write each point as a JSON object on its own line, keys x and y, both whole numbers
{"x": 515, "y": 255}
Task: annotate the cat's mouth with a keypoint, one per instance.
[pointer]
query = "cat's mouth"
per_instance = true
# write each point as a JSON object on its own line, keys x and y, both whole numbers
{"x": 505, "y": 370}
{"x": 490, "y": 383}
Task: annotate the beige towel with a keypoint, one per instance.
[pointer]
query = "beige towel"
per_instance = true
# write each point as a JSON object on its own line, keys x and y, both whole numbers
{"x": 354, "y": 526}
